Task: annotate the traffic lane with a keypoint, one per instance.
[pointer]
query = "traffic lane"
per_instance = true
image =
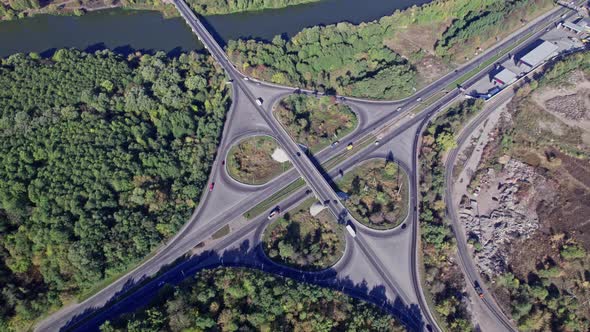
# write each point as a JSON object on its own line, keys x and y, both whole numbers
{"x": 178, "y": 272}
{"x": 468, "y": 265}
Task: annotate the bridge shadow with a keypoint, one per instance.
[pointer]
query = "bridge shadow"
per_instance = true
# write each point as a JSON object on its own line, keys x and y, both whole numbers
{"x": 137, "y": 294}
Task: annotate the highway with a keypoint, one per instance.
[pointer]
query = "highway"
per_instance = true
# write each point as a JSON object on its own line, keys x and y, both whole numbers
{"x": 201, "y": 226}
{"x": 314, "y": 179}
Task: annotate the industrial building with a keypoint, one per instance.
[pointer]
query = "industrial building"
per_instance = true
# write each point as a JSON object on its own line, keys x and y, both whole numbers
{"x": 537, "y": 55}
{"x": 505, "y": 77}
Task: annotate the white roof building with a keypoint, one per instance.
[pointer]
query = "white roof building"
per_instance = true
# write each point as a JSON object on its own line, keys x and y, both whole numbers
{"x": 539, "y": 54}
{"x": 505, "y": 76}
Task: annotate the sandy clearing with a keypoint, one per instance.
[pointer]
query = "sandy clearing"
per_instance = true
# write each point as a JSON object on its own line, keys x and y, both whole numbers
{"x": 280, "y": 155}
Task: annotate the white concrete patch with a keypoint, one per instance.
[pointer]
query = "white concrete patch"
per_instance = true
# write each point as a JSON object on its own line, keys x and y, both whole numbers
{"x": 316, "y": 208}
{"x": 280, "y": 155}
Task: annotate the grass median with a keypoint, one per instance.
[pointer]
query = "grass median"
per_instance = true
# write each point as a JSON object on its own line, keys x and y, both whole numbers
{"x": 274, "y": 199}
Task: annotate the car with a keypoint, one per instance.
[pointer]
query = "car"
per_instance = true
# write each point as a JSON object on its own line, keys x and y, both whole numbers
{"x": 223, "y": 162}
{"x": 377, "y": 142}
{"x": 349, "y": 146}
{"x": 298, "y": 154}
{"x": 419, "y": 99}
{"x": 211, "y": 186}
{"x": 274, "y": 212}
{"x": 335, "y": 144}
{"x": 399, "y": 109}
{"x": 259, "y": 101}
{"x": 246, "y": 79}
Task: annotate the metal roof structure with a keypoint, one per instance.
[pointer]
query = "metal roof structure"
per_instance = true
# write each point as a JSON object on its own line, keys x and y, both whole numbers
{"x": 539, "y": 54}
{"x": 505, "y": 76}
{"x": 573, "y": 26}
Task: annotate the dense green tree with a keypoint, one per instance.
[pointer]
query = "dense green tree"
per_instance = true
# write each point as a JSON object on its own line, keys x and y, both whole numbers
{"x": 103, "y": 158}
{"x": 250, "y": 300}
{"x": 437, "y": 237}
{"x": 233, "y": 6}
{"x": 363, "y": 61}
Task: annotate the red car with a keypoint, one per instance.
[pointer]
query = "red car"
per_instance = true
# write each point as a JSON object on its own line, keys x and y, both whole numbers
{"x": 211, "y": 186}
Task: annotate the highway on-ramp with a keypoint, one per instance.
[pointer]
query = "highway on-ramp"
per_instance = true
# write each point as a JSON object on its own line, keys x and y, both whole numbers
{"x": 184, "y": 240}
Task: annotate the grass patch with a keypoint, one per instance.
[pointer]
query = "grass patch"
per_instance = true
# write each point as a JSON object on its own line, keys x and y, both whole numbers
{"x": 221, "y": 233}
{"x": 378, "y": 193}
{"x": 300, "y": 240}
{"x": 315, "y": 122}
{"x": 274, "y": 199}
{"x": 250, "y": 161}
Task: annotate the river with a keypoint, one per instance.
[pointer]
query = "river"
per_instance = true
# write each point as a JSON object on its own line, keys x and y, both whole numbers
{"x": 127, "y": 30}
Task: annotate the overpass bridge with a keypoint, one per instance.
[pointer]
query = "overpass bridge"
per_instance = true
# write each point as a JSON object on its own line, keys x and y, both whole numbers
{"x": 312, "y": 176}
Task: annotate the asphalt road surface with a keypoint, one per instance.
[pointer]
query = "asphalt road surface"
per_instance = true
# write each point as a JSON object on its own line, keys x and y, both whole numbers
{"x": 193, "y": 230}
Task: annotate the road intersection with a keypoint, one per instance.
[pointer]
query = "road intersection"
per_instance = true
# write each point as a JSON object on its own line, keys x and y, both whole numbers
{"x": 375, "y": 265}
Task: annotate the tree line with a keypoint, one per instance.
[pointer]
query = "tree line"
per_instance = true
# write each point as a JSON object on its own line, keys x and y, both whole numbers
{"x": 232, "y": 299}
{"x": 364, "y": 60}
{"x": 102, "y": 158}
{"x": 485, "y": 23}
{"x": 444, "y": 280}
{"x": 210, "y": 7}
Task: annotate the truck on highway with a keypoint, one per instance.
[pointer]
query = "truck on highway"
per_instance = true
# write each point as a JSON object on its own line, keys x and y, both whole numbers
{"x": 351, "y": 230}
{"x": 259, "y": 101}
{"x": 274, "y": 212}
{"x": 478, "y": 289}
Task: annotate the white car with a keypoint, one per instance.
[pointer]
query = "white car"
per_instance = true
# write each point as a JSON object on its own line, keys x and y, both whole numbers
{"x": 351, "y": 230}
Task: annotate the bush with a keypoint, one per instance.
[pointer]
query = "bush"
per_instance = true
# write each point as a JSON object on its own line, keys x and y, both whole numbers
{"x": 572, "y": 251}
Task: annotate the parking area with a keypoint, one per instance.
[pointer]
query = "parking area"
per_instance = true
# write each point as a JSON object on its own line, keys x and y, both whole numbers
{"x": 565, "y": 36}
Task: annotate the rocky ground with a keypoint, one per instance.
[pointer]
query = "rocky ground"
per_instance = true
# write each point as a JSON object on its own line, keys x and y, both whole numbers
{"x": 523, "y": 183}
{"x": 508, "y": 212}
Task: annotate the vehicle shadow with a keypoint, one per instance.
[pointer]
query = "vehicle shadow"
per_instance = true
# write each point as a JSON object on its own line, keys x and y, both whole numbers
{"x": 141, "y": 292}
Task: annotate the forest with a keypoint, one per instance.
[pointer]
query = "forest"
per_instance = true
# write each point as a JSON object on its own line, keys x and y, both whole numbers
{"x": 102, "y": 158}
{"x": 443, "y": 277}
{"x": 388, "y": 58}
{"x": 232, "y": 299}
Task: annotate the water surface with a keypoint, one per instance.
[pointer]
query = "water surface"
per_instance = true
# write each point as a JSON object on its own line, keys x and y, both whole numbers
{"x": 127, "y": 30}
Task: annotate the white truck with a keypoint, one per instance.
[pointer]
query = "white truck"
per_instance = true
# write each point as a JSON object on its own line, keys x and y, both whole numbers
{"x": 351, "y": 230}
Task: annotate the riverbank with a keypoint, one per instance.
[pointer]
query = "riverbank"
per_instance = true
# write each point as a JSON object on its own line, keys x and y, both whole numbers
{"x": 10, "y": 10}
{"x": 389, "y": 58}
{"x": 127, "y": 30}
